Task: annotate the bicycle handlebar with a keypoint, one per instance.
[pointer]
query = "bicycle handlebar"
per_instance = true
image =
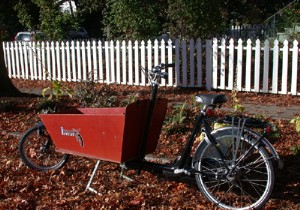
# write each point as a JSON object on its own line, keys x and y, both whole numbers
{"x": 156, "y": 72}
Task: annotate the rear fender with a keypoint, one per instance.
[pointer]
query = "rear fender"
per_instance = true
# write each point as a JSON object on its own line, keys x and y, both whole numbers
{"x": 265, "y": 143}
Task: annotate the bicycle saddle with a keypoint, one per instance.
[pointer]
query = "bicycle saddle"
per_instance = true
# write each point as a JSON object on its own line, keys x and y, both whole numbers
{"x": 211, "y": 99}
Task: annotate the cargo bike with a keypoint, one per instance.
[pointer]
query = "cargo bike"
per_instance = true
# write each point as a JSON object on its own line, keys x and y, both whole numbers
{"x": 233, "y": 166}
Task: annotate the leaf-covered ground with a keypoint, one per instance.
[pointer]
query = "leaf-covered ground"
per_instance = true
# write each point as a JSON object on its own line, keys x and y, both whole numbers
{"x": 23, "y": 188}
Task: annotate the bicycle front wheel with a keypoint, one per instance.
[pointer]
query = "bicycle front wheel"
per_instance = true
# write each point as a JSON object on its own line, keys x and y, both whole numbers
{"x": 242, "y": 179}
{"x": 37, "y": 150}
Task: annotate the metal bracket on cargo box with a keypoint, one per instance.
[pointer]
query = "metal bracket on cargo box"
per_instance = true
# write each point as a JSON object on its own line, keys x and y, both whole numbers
{"x": 122, "y": 176}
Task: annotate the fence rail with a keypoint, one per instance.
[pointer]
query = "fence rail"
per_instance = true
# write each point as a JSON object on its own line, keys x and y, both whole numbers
{"x": 214, "y": 64}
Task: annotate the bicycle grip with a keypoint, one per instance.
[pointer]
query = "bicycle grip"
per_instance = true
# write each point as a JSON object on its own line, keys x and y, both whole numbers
{"x": 169, "y": 65}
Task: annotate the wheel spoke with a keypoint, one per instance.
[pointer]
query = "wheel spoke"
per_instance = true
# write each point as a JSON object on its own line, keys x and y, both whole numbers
{"x": 38, "y": 152}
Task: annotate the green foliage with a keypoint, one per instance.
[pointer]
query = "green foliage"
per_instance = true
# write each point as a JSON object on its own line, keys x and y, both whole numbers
{"x": 296, "y": 121}
{"x": 194, "y": 18}
{"x": 88, "y": 95}
{"x": 237, "y": 106}
{"x": 7, "y": 105}
{"x": 295, "y": 150}
{"x": 128, "y": 100}
{"x": 46, "y": 106}
{"x": 133, "y": 19}
{"x": 28, "y": 14}
{"x": 174, "y": 122}
{"x": 56, "y": 91}
{"x": 288, "y": 16}
{"x": 51, "y": 20}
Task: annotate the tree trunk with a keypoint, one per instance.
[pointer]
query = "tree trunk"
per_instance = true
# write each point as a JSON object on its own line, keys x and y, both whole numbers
{"x": 7, "y": 88}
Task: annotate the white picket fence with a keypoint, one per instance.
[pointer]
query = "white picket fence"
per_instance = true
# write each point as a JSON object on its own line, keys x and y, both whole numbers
{"x": 213, "y": 64}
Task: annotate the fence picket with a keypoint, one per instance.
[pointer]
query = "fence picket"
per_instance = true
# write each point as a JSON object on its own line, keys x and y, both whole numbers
{"x": 130, "y": 74}
{"x": 63, "y": 64}
{"x": 118, "y": 67}
{"x": 83, "y": 51}
{"x": 257, "y": 67}
{"x": 13, "y": 60}
{"x": 58, "y": 62}
{"x": 284, "y": 76}
{"x": 17, "y": 59}
{"x": 177, "y": 64}
{"x": 215, "y": 64}
{"x": 9, "y": 67}
{"x": 265, "y": 87}
{"x": 184, "y": 63}
{"x": 136, "y": 63}
{"x": 68, "y": 57}
{"x": 21, "y": 60}
{"x": 222, "y": 64}
{"x": 208, "y": 52}
{"x": 143, "y": 62}
{"x": 239, "y": 64}
{"x": 170, "y": 60}
{"x": 294, "y": 78}
{"x": 73, "y": 55}
{"x": 192, "y": 64}
{"x": 124, "y": 63}
{"x": 100, "y": 58}
{"x": 48, "y": 61}
{"x": 275, "y": 67}
{"x": 231, "y": 75}
{"x": 31, "y": 68}
{"x": 248, "y": 65}
{"x": 149, "y": 55}
{"x": 89, "y": 61}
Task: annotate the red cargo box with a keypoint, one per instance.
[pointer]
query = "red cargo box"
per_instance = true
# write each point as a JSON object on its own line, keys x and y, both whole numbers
{"x": 112, "y": 134}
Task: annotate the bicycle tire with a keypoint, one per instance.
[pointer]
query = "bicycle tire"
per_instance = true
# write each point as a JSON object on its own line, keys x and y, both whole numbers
{"x": 250, "y": 184}
{"x": 37, "y": 150}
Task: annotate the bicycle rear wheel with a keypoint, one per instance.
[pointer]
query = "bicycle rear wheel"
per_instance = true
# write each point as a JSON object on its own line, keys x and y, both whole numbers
{"x": 242, "y": 179}
{"x": 37, "y": 150}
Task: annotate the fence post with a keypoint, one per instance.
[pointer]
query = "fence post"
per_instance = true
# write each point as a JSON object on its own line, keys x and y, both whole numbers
{"x": 208, "y": 50}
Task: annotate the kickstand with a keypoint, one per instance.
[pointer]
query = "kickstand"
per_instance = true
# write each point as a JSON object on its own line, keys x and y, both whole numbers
{"x": 122, "y": 176}
{"x": 88, "y": 186}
